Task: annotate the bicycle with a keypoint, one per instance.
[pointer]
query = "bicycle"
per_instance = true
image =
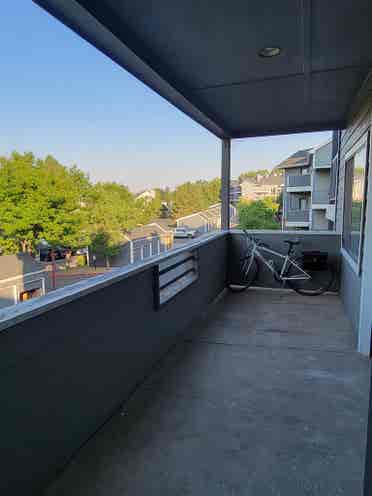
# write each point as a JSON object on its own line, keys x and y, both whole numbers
{"x": 309, "y": 275}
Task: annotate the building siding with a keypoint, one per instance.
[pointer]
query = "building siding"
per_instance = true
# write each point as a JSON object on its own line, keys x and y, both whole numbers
{"x": 350, "y": 289}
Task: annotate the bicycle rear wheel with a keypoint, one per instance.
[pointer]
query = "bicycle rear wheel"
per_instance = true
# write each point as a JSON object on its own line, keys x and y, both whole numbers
{"x": 320, "y": 280}
{"x": 247, "y": 275}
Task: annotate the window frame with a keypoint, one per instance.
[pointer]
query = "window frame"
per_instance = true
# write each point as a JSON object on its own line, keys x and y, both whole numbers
{"x": 363, "y": 141}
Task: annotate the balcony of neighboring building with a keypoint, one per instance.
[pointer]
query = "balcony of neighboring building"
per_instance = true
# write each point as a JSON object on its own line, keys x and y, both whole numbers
{"x": 297, "y": 218}
{"x": 297, "y": 208}
{"x": 298, "y": 183}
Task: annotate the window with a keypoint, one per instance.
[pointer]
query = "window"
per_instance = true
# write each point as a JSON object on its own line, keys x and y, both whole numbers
{"x": 355, "y": 177}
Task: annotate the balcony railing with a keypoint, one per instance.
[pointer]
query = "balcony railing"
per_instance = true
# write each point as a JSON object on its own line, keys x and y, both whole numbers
{"x": 320, "y": 196}
{"x": 298, "y": 215}
{"x": 298, "y": 181}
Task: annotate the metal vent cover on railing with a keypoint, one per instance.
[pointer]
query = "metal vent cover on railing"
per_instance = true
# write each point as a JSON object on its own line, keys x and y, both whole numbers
{"x": 174, "y": 275}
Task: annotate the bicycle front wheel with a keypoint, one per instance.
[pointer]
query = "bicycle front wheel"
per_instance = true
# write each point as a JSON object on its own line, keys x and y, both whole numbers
{"x": 247, "y": 275}
{"x": 320, "y": 280}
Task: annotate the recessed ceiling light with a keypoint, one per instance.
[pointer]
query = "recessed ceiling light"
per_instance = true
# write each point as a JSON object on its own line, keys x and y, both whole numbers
{"x": 268, "y": 52}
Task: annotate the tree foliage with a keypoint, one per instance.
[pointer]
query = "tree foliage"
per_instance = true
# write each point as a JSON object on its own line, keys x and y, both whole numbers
{"x": 192, "y": 197}
{"x": 40, "y": 199}
{"x": 112, "y": 211}
{"x": 259, "y": 214}
{"x": 43, "y": 200}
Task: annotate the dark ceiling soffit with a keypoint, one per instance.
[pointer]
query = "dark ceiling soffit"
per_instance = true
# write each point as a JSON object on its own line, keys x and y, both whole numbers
{"x": 254, "y": 133}
{"x": 70, "y": 13}
{"x": 73, "y": 15}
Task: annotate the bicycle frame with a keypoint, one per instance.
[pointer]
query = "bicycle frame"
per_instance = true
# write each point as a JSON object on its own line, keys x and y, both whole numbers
{"x": 257, "y": 252}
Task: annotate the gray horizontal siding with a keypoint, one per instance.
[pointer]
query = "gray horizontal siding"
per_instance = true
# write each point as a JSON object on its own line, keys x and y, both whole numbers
{"x": 323, "y": 156}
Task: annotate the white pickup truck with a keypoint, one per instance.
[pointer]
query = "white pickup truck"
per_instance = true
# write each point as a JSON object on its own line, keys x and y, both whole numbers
{"x": 184, "y": 232}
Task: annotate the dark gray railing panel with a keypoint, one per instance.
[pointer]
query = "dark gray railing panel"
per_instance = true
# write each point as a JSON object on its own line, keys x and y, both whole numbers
{"x": 329, "y": 242}
{"x": 297, "y": 180}
{"x": 66, "y": 370}
{"x": 298, "y": 215}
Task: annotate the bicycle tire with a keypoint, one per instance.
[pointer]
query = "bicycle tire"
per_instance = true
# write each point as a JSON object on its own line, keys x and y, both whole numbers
{"x": 246, "y": 278}
{"x": 320, "y": 282}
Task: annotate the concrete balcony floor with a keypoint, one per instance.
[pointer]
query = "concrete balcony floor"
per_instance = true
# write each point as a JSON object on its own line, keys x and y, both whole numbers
{"x": 266, "y": 396}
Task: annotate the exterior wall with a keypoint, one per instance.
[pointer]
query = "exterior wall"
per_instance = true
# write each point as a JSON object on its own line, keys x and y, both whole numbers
{"x": 322, "y": 155}
{"x": 329, "y": 242}
{"x": 321, "y": 180}
{"x": 357, "y": 128}
{"x": 350, "y": 289}
{"x": 64, "y": 372}
{"x": 365, "y": 324}
{"x": 351, "y": 279}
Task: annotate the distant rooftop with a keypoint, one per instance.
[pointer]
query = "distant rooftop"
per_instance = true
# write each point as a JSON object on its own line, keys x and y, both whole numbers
{"x": 301, "y": 158}
{"x": 155, "y": 228}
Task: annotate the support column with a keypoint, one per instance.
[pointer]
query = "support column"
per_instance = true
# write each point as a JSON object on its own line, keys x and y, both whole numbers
{"x": 225, "y": 182}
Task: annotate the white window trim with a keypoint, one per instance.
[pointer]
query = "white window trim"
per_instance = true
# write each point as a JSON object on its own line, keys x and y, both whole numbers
{"x": 356, "y": 265}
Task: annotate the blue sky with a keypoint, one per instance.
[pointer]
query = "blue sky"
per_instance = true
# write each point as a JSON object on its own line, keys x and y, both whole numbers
{"x": 61, "y": 96}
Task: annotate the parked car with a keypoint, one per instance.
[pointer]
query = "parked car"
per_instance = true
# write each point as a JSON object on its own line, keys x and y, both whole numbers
{"x": 46, "y": 254}
{"x": 184, "y": 232}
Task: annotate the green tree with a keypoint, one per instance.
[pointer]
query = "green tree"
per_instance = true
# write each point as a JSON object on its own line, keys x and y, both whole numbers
{"x": 192, "y": 197}
{"x": 113, "y": 211}
{"x": 260, "y": 214}
{"x": 40, "y": 199}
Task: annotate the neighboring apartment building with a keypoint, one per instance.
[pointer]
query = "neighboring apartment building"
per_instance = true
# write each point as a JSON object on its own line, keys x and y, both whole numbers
{"x": 235, "y": 192}
{"x": 262, "y": 187}
{"x": 208, "y": 219}
{"x": 147, "y": 195}
{"x": 307, "y": 183}
{"x": 142, "y": 242}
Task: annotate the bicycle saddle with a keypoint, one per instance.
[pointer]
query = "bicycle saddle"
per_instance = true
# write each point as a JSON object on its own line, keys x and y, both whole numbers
{"x": 292, "y": 242}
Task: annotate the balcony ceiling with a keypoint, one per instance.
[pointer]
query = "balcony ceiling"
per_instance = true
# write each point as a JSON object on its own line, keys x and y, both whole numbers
{"x": 203, "y": 57}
